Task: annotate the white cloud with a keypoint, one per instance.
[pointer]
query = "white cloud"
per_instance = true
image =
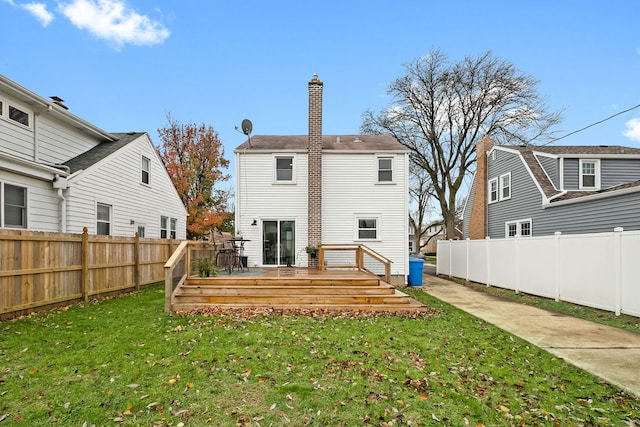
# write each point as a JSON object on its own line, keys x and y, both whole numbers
{"x": 633, "y": 130}
{"x": 115, "y": 21}
{"x": 39, "y": 10}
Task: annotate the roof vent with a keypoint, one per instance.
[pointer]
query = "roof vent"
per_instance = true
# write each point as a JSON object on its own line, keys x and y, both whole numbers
{"x": 337, "y": 140}
{"x": 59, "y": 102}
{"x": 357, "y": 139}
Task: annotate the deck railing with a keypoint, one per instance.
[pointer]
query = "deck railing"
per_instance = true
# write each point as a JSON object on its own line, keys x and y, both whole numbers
{"x": 353, "y": 256}
{"x": 180, "y": 265}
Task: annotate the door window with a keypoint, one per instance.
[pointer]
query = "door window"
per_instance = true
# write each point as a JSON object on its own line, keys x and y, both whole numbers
{"x": 279, "y": 242}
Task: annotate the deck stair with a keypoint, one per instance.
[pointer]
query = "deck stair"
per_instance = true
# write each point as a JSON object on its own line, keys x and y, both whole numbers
{"x": 298, "y": 290}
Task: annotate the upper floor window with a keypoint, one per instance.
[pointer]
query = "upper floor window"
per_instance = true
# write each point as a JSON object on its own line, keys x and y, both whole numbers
{"x": 284, "y": 169}
{"x": 17, "y": 115}
{"x": 15, "y": 206}
{"x": 493, "y": 190}
{"x": 385, "y": 169}
{"x": 1, "y": 108}
{"x": 500, "y": 188}
{"x": 146, "y": 167}
{"x": 505, "y": 186}
{"x": 589, "y": 174}
{"x": 367, "y": 228}
{"x": 103, "y": 215}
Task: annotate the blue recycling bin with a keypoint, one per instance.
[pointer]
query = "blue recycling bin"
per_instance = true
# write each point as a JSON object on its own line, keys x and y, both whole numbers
{"x": 415, "y": 271}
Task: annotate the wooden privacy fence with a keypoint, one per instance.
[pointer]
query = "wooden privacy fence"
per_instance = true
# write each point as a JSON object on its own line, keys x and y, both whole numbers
{"x": 38, "y": 269}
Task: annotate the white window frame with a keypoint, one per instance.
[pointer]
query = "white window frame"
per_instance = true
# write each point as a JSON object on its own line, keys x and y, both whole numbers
{"x": 518, "y": 228}
{"x": 503, "y": 187}
{"x": 291, "y": 157}
{"x": 146, "y": 171}
{"x": 377, "y": 229}
{"x": 109, "y": 222}
{"x": 168, "y": 228}
{"x": 164, "y": 227}
{"x": 596, "y": 179}
{"x": 173, "y": 222}
{"x": 24, "y": 208}
{"x": 5, "y": 114}
{"x": 491, "y": 199}
{"x": 379, "y": 170}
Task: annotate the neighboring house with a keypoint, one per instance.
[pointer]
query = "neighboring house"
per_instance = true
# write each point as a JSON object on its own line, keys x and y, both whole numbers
{"x": 60, "y": 173}
{"x": 521, "y": 191}
{"x": 294, "y": 191}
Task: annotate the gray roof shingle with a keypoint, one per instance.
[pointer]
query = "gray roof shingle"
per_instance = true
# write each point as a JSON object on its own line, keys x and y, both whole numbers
{"x": 100, "y": 151}
{"x": 329, "y": 142}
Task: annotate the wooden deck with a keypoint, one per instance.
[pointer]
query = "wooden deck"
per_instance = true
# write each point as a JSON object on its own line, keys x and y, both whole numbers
{"x": 293, "y": 288}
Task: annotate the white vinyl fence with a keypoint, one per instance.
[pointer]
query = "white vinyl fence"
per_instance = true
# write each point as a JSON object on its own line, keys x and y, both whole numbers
{"x": 597, "y": 270}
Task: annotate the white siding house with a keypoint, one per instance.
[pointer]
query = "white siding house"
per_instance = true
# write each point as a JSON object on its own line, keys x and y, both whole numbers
{"x": 61, "y": 173}
{"x": 364, "y": 195}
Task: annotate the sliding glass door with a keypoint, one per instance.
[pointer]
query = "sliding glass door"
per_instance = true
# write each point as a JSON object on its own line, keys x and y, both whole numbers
{"x": 279, "y": 242}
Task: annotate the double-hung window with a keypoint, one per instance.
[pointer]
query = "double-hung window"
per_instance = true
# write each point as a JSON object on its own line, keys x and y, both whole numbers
{"x": 505, "y": 186}
{"x": 172, "y": 223}
{"x": 103, "y": 215}
{"x": 520, "y": 228}
{"x": 493, "y": 190}
{"x": 168, "y": 227}
{"x": 589, "y": 174}
{"x": 284, "y": 169}
{"x": 385, "y": 169}
{"x": 367, "y": 228}
{"x": 146, "y": 168}
{"x": 15, "y": 206}
{"x": 500, "y": 188}
{"x": 164, "y": 227}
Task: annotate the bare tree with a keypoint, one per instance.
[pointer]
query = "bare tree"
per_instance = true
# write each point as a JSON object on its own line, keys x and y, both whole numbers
{"x": 421, "y": 195}
{"x": 439, "y": 110}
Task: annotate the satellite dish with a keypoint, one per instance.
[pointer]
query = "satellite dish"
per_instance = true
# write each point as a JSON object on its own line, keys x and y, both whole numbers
{"x": 247, "y": 126}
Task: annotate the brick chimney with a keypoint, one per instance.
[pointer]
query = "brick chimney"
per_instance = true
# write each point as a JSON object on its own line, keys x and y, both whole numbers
{"x": 315, "y": 166}
{"x": 478, "y": 222}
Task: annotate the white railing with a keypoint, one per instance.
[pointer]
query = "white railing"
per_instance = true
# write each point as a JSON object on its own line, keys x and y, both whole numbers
{"x": 597, "y": 270}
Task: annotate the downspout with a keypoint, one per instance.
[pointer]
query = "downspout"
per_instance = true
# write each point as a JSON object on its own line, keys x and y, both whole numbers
{"x": 61, "y": 184}
{"x": 63, "y": 211}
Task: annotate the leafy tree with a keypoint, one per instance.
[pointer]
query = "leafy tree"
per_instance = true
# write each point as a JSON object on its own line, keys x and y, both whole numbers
{"x": 439, "y": 110}
{"x": 194, "y": 158}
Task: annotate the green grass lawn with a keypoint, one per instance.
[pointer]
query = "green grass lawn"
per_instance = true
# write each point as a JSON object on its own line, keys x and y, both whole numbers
{"x": 126, "y": 362}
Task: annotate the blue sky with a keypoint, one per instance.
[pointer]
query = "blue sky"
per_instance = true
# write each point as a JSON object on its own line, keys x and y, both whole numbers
{"x": 124, "y": 64}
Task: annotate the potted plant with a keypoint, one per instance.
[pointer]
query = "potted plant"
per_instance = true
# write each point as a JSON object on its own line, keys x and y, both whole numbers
{"x": 311, "y": 250}
{"x": 205, "y": 267}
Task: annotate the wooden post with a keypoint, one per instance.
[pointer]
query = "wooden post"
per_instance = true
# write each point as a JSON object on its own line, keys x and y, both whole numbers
{"x": 85, "y": 265}
{"x": 320, "y": 257}
{"x": 136, "y": 261}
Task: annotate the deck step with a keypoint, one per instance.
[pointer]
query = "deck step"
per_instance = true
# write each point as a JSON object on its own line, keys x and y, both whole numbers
{"x": 294, "y": 290}
{"x": 275, "y": 290}
{"x": 288, "y": 281}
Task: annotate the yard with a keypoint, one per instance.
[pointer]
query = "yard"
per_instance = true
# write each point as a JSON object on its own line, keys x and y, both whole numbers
{"x": 126, "y": 362}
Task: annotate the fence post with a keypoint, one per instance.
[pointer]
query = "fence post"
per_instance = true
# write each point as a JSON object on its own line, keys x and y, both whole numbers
{"x": 450, "y": 256}
{"x": 557, "y": 271}
{"x": 488, "y": 258}
{"x": 516, "y": 243}
{"x": 84, "y": 253}
{"x": 467, "y": 260}
{"x": 617, "y": 267}
{"x": 136, "y": 260}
